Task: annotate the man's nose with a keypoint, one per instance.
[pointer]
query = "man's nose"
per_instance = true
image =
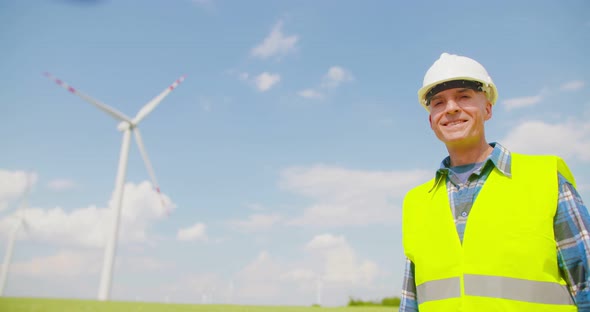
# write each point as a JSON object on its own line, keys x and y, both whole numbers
{"x": 452, "y": 107}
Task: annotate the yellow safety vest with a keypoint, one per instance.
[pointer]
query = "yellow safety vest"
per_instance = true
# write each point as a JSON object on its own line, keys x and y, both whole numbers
{"x": 508, "y": 259}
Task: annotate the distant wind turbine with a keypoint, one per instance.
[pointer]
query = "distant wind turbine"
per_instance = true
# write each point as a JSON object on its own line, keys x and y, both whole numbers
{"x": 20, "y": 222}
{"x": 126, "y": 125}
{"x": 231, "y": 291}
{"x": 319, "y": 291}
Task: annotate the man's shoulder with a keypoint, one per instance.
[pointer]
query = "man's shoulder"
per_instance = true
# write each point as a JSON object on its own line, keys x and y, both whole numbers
{"x": 549, "y": 162}
{"x": 534, "y": 156}
{"x": 422, "y": 188}
{"x": 537, "y": 158}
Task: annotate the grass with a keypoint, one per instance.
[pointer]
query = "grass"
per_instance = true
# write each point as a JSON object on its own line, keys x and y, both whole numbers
{"x": 70, "y": 305}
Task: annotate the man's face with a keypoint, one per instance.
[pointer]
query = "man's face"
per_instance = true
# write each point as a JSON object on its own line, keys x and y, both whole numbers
{"x": 457, "y": 116}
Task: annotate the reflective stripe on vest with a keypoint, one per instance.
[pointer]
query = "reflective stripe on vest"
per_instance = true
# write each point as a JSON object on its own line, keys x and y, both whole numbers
{"x": 495, "y": 287}
{"x": 439, "y": 289}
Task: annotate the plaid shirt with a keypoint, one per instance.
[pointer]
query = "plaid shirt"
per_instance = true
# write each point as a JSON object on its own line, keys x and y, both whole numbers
{"x": 571, "y": 225}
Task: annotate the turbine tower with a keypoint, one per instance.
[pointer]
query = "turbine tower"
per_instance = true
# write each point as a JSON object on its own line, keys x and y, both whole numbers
{"x": 319, "y": 291}
{"x": 20, "y": 222}
{"x": 127, "y": 126}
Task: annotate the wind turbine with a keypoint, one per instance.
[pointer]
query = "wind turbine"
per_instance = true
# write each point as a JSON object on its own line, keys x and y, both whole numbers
{"x": 127, "y": 126}
{"x": 20, "y": 222}
{"x": 231, "y": 292}
{"x": 319, "y": 291}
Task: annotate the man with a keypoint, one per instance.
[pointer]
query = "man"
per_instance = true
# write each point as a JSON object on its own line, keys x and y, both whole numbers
{"x": 493, "y": 230}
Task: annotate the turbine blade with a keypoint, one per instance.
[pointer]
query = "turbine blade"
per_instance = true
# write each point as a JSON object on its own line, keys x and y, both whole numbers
{"x": 149, "y": 168}
{"x": 103, "y": 107}
{"x": 149, "y": 107}
{"x": 24, "y": 204}
{"x": 7, "y": 258}
{"x": 24, "y": 200}
{"x": 24, "y": 224}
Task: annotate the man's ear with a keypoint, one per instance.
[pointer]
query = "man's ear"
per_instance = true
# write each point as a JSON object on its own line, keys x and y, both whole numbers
{"x": 488, "y": 110}
{"x": 430, "y": 120}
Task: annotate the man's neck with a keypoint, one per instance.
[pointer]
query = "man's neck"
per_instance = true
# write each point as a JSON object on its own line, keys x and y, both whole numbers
{"x": 469, "y": 155}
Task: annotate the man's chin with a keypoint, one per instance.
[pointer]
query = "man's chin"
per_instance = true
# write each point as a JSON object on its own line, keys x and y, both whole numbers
{"x": 453, "y": 140}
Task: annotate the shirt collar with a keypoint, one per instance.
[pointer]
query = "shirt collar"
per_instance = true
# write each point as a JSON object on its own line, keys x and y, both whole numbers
{"x": 500, "y": 157}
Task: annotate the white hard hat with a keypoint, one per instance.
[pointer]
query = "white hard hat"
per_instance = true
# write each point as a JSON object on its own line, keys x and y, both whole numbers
{"x": 451, "y": 67}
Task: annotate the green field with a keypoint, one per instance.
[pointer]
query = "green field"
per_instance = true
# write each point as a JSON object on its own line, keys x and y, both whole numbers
{"x": 67, "y": 305}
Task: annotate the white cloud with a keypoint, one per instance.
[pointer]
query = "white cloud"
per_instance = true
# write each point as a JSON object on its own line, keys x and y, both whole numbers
{"x": 570, "y": 139}
{"x": 89, "y": 226}
{"x": 256, "y": 222}
{"x": 14, "y": 184}
{"x": 197, "y": 232}
{"x": 265, "y": 81}
{"x": 327, "y": 257}
{"x": 79, "y": 263}
{"x": 61, "y": 184}
{"x": 299, "y": 276}
{"x": 335, "y": 76}
{"x": 527, "y": 101}
{"x": 65, "y": 263}
{"x": 196, "y": 288}
{"x": 260, "y": 278}
{"x": 326, "y": 241}
{"x": 276, "y": 43}
{"x": 341, "y": 263}
{"x": 522, "y": 102}
{"x": 350, "y": 197}
{"x": 572, "y": 85}
{"x": 243, "y": 76}
{"x": 310, "y": 94}
{"x": 140, "y": 264}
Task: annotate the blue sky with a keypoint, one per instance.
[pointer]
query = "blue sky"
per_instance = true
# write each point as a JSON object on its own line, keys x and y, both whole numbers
{"x": 285, "y": 153}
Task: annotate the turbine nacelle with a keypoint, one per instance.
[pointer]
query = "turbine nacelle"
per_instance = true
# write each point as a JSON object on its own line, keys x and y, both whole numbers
{"x": 125, "y": 125}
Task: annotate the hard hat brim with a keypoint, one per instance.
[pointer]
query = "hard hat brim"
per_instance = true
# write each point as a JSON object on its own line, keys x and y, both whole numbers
{"x": 489, "y": 89}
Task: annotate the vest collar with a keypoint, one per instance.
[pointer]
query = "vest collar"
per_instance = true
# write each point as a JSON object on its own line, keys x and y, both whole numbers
{"x": 500, "y": 157}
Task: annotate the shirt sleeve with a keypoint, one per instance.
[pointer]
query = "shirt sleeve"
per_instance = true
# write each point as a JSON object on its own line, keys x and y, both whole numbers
{"x": 408, "y": 301}
{"x": 571, "y": 225}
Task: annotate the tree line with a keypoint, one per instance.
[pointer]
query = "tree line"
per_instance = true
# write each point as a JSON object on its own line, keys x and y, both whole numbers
{"x": 387, "y": 301}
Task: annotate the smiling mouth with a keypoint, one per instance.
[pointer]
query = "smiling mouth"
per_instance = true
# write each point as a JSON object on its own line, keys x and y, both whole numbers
{"x": 453, "y": 123}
